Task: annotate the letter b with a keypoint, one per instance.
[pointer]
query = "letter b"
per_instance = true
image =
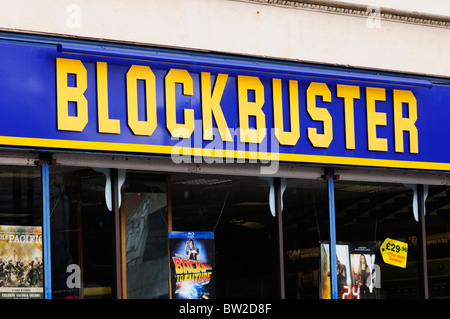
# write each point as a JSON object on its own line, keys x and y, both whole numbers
{"x": 66, "y": 94}
{"x": 226, "y": 308}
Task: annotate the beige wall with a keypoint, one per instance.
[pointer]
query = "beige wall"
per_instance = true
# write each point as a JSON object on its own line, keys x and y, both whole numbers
{"x": 284, "y": 30}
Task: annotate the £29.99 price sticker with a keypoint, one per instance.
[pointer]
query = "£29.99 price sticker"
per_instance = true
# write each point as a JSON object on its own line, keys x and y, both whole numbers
{"x": 394, "y": 252}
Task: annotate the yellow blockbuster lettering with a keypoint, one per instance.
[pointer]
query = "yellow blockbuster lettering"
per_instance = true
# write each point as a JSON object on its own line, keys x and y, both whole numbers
{"x": 105, "y": 124}
{"x": 319, "y": 114}
{"x": 286, "y": 138}
{"x": 144, "y": 73}
{"x": 251, "y": 108}
{"x": 211, "y": 106}
{"x": 405, "y": 124}
{"x": 75, "y": 94}
{"x": 349, "y": 93}
{"x": 375, "y": 119}
{"x": 178, "y": 130}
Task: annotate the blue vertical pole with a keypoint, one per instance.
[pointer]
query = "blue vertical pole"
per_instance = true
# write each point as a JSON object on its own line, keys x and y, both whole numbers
{"x": 46, "y": 232}
{"x": 333, "y": 269}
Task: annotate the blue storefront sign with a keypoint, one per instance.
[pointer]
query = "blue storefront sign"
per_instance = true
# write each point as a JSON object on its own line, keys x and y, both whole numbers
{"x": 70, "y": 96}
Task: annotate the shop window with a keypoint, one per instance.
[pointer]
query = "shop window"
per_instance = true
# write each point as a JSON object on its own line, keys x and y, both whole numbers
{"x": 437, "y": 219}
{"x": 21, "y": 196}
{"x": 371, "y": 213}
{"x": 365, "y": 213}
{"x": 305, "y": 226}
{"x": 21, "y": 258}
{"x": 237, "y": 210}
{"x": 81, "y": 234}
{"x": 144, "y": 212}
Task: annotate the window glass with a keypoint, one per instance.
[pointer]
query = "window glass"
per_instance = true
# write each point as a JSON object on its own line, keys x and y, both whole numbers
{"x": 237, "y": 210}
{"x": 305, "y": 225}
{"x": 437, "y": 220}
{"x": 21, "y": 196}
{"x": 364, "y": 213}
{"x": 21, "y": 256}
{"x": 144, "y": 210}
{"x": 372, "y": 212}
{"x": 81, "y": 234}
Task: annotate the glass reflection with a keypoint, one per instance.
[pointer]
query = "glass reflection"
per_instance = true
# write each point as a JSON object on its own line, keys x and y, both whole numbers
{"x": 237, "y": 210}
{"x": 144, "y": 207}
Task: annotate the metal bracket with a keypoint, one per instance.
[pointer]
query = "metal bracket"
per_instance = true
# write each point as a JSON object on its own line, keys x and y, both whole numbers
{"x": 45, "y": 158}
{"x": 42, "y": 162}
{"x": 108, "y": 190}
{"x": 328, "y": 176}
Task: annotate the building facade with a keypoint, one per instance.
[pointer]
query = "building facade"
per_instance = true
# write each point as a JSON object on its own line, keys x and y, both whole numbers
{"x": 276, "y": 135}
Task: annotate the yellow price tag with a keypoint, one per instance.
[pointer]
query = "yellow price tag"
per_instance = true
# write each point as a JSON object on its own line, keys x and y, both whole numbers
{"x": 394, "y": 252}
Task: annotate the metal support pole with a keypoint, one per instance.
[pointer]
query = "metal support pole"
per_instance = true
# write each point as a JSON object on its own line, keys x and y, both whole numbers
{"x": 46, "y": 232}
{"x": 117, "y": 233}
{"x": 278, "y": 199}
{"x": 333, "y": 270}
{"x": 422, "y": 244}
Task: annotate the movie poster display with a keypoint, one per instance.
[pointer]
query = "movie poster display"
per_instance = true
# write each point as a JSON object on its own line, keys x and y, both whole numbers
{"x": 21, "y": 267}
{"x": 192, "y": 267}
{"x": 355, "y": 264}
